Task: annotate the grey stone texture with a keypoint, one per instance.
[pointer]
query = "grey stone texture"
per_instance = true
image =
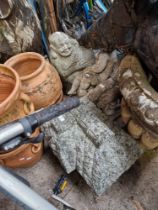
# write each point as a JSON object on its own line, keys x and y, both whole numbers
{"x": 84, "y": 140}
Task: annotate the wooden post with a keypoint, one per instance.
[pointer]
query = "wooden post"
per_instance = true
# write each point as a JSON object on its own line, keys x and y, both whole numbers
{"x": 52, "y": 17}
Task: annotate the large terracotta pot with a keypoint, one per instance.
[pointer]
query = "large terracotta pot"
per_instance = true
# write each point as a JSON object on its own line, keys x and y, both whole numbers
{"x": 14, "y": 104}
{"x": 24, "y": 156}
{"x": 39, "y": 79}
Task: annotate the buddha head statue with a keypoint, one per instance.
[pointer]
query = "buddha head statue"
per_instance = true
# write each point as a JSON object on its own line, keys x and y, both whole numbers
{"x": 67, "y": 55}
{"x": 61, "y": 44}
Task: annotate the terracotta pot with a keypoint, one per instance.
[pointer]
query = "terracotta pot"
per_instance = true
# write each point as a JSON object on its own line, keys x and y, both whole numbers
{"x": 24, "y": 156}
{"x": 14, "y": 105}
{"x": 39, "y": 79}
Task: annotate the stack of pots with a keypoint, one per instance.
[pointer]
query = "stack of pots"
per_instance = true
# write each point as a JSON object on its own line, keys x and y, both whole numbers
{"x": 26, "y": 81}
{"x": 14, "y": 104}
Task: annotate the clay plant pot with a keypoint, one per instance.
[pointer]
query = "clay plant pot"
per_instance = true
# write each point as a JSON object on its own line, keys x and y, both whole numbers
{"x": 14, "y": 104}
{"x": 39, "y": 79}
{"x": 24, "y": 156}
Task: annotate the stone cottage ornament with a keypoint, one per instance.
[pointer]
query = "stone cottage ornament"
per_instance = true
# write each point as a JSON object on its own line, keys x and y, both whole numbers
{"x": 84, "y": 141}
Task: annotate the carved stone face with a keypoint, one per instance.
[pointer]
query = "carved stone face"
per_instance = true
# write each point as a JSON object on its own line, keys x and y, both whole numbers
{"x": 61, "y": 44}
{"x": 67, "y": 56}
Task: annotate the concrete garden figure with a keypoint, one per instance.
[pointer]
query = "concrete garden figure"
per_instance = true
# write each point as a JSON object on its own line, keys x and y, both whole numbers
{"x": 84, "y": 72}
{"x": 67, "y": 56}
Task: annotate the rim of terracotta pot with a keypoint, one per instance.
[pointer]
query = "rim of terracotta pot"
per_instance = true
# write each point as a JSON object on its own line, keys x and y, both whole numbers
{"x": 19, "y": 148}
{"x": 14, "y": 152}
{"x": 16, "y": 90}
{"x": 23, "y": 57}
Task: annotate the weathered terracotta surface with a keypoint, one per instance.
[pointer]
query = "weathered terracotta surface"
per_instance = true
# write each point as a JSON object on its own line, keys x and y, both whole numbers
{"x": 39, "y": 79}
{"x": 140, "y": 111}
{"x": 24, "y": 156}
{"x": 13, "y": 103}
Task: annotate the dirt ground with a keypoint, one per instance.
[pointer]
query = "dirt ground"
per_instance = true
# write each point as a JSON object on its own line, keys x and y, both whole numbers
{"x": 140, "y": 183}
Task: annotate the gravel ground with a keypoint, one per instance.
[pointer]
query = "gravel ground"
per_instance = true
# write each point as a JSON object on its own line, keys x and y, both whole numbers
{"x": 140, "y": 183}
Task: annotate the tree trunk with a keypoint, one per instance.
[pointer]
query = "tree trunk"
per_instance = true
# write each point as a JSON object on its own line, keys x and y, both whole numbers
{"x": 114, "y": 29}
{"x": 47, "y": 17}
{"x": 128, "y": 24}
{"x": 19, "y": 28}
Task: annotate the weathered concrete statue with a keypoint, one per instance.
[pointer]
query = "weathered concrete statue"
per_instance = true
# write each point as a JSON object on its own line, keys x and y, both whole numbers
{"x": 67, "y": 56}
{"x": 140, "y": 102}
{"x": 99, "y": 83}
{"x": 88, "y": 75}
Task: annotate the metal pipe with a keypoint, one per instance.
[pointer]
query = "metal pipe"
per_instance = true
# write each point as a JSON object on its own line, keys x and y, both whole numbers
{"x": 28, "y": 124}
{"x": 22, "y": 193}
{"x": 10, "y": 131}
{"x": 53, "y": 111}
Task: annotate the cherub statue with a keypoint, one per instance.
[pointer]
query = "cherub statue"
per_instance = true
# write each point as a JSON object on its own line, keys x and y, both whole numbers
{"x": 67, "y": 56}
{"x": 90, "y": 76}
{"x": 88, "y": 73}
